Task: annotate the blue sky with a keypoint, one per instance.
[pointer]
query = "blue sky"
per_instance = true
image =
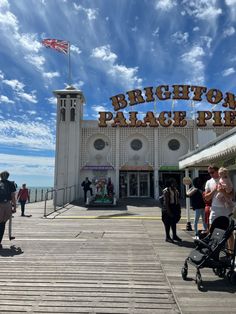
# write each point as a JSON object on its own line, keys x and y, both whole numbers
{"x": 116, "y": 45}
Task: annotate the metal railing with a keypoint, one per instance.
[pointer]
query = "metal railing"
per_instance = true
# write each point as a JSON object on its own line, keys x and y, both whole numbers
{"x": 38, "y": 195}
{"x": 65, "y": 199}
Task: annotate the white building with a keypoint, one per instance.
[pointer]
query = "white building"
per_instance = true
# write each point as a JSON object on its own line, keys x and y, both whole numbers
{"x": 138, "y": 160}
{"x": 221, "y": 151}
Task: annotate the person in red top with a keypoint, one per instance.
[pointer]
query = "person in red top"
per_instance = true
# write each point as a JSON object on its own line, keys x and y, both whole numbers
{"x": 207, "y": 209}
{"x": 23, "y": 197}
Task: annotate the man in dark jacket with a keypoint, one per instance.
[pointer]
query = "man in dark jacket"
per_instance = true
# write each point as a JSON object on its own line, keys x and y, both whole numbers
{"x": 86, "y": 186}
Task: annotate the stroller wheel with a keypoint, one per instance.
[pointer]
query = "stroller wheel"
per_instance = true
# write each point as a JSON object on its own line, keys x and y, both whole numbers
{"x": 184, "y": 272}
{"x": 198, "y": 280}
{"x": 231, "y": 275}
{"x": 219, "y": 272}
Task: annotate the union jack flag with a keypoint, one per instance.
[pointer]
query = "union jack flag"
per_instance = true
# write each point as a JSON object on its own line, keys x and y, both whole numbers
{"x": 59, "y": 45}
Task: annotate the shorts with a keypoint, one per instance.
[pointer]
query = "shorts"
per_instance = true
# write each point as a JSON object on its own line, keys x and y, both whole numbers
{"x": 5, "y": 211}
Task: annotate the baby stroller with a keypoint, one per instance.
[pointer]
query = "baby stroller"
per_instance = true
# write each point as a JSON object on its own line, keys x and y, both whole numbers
{"x": 211, "y": 252}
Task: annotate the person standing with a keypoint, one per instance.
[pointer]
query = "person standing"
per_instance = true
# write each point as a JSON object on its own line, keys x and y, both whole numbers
{"x": 198, "y": 205}
{"x": 171, "y": 211}
{"x": 110, "y": 188}
{"x": 218, "y": 208}
{"x": 211, "y": 191}
{"x": 23, "y": 197}
{"x": 86, "y": 186}
{"x": 7, "y": 201}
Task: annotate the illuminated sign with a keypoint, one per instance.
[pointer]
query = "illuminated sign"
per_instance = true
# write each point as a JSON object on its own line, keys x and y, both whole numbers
{"x": 168, "y": 118}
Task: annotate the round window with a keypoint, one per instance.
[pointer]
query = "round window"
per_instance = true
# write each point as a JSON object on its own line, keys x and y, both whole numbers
{"x": 99, "y": 144}
{"x": 136, "y": 144}
{"x": 174, "y": 144}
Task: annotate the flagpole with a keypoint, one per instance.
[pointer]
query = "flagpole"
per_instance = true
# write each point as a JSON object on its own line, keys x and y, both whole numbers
{"x": 69, "y": 66}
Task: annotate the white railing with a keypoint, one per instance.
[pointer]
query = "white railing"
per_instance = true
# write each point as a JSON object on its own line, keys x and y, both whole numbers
{"x": 67, "y": 197}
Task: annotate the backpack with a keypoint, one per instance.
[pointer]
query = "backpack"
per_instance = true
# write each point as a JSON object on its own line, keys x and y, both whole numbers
{"x": 5, "y": 194}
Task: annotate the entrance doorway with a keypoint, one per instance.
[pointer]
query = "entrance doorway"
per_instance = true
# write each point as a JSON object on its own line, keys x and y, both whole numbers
{"x": 135, "y": 184}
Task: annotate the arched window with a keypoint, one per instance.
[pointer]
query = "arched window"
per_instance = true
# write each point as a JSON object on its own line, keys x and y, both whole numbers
{"x": 63, "y": 114}
{"x": 72, "y": 114}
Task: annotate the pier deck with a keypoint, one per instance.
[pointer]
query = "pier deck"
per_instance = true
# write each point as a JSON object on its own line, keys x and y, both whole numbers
{"x": 102, "y": 261}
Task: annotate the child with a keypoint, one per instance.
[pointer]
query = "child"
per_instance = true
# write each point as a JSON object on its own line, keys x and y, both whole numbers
{"x": 225, "y": 184}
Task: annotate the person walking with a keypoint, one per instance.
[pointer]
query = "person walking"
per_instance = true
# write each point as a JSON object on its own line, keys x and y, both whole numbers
{"x": 7, "y": 201}
{"x": 86, "y": 186}
{"x": 171, "y": 211}
{"x": 196, "y": 198}
{"x": 23, "y": 197}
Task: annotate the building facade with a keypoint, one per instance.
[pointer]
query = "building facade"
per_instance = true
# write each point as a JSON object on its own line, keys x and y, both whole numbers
{"x": 138, "y": 160}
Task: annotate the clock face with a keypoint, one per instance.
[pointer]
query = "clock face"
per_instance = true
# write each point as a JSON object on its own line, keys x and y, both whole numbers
{"x": 99, "y": 144}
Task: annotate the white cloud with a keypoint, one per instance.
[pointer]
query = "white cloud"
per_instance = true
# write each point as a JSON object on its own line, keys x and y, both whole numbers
{"x": 127, "y": 74}
{"x": 229, "y": 31}
{"x": 180, "y": 37}
{"x": 98, "y": 108}
{"x": 52, "y": 100}
{"x": 228, "y": 72}
{"x": 27, "y": 165}
{"x": 206, "y": 40}
{"x": 36, "y": 60}
{"x": 156, "y": 32}
{"x": 193, "y": 54}
{"x": 28, "y": 97}
{"x": 18, "y": 88}
{"x": 79, "y": 85}
{"x": 30, "y": 135}
{"x": 14, "y": 84}
{"x": 165, "y": 5}
{"x": 195, "y": 65}
{"x": 230, "y": 2}
{"x": 50, "y": 75}
{"x": 120, "y": 73}
{"x": 1, "y": 75}
{"x": 24, "y": 41}
{"x": 29, "y": 42}
{"x": 5, "y": 99}
{"x": 202, "y": 9}
{"x": 75, "y": 49}
{"x": 104, "y": 53}
{"x": 32, "y": 112}
{"x": 8, "y": 20}
{"x": 91, "y": 13}
{"x": 196, "y": 29}
{"x": 4, "y": 4}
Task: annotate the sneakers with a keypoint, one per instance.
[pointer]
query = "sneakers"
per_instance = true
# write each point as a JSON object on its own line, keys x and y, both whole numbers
{"x": 196, "y": 237}
{"x": 169, "y": 240}
{"x": 176, "y": 238}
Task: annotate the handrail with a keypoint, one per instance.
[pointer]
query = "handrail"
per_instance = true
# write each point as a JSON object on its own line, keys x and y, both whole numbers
{"x": 64, "y": 202}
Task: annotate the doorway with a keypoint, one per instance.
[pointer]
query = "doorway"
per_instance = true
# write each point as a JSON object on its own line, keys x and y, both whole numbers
{"x": 135, "y": 184}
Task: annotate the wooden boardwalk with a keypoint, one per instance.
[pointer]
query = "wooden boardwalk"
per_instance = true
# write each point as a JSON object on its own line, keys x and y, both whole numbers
{"x": 95, "y": 261}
